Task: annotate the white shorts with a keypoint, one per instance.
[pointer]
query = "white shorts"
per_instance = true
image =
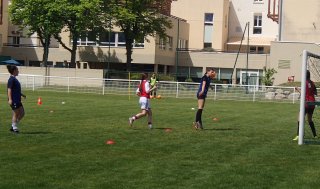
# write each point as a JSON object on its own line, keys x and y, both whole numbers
{"x": 144, "y": 103}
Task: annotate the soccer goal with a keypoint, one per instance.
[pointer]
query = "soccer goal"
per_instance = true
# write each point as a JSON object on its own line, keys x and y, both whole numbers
{"x": 311, "y": 62}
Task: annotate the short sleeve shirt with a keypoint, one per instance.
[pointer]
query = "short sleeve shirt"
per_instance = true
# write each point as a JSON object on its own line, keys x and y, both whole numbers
{"x": 207, "y": 80}
{"x": 15, "y": 87}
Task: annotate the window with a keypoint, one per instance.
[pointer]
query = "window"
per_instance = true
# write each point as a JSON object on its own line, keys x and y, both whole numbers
{"x": 138, "y": 43}
{"x": 255, "y": 49}
{"x": 162, "y": 44}
{"x": 208, "y": 18}
{"x": 183, "y": 44}
{"x": 260, "y": 50}
{"x": 87, "y": 38}
{"x": 252, "y": 49}
{"x": 121, "y": 40}
{"x": 257, "y": 1}
{"x": 104, "y": 39}
{"x": 208, "y": 29}
{"x": 257, "y": 24}
{"x": 170, "y": 42}
{"x": 16, "y": 40}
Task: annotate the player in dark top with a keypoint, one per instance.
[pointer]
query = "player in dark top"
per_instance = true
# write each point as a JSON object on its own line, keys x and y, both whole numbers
{"x": 14, "y": 97}
{"x": 202, "y": 94}
{"x": 311, "y": 91}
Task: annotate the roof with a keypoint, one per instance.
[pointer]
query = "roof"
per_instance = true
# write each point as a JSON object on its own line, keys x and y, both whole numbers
{"x": 257, "y": 41}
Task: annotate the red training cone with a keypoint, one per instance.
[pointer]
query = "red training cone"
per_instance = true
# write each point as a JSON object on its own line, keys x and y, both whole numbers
{"x": 110, "y": 142}
{"x": 39, "y": 101}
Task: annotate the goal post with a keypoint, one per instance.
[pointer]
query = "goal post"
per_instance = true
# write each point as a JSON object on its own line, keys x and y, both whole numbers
{"x": 311, "y": 62}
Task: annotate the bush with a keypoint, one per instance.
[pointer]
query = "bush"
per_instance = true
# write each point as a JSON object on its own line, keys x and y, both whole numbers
{"x": 162, "y": 77}
{"x": 189, "y": 80}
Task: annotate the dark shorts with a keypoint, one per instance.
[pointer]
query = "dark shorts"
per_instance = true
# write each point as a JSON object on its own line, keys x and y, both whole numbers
{"x": 15, "y": 106}
{"x": 201, "y": 97}
{"x": 309, "y": 110}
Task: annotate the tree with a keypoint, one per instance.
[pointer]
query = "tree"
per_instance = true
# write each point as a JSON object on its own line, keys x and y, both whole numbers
{"x": 138, "y": 19}
{"x": 37, "y": 17}
{"x": 77, "y": 16}
{"x": 268, "y": 77}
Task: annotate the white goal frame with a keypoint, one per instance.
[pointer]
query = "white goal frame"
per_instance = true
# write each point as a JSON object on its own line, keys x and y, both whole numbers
{"x": 304, "y": 68}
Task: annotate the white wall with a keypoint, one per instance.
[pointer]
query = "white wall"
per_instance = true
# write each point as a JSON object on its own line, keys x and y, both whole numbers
{"x": 242, "y": 11}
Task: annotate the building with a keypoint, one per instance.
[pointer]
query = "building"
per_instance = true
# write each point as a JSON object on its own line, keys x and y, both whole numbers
{"x": 261, "y": 29}
{"x": 206, "y": 34}
{"x": 226, "y": 21}
{"x": 154, "y": 55}
{"x": 297, "y": 32}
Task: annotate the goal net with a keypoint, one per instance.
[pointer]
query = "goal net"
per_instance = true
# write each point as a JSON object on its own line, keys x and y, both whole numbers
{"x": 311, "y": 62}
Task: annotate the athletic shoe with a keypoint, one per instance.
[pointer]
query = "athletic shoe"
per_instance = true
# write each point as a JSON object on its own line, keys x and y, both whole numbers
{"x": 296, "y": 138}
{"x": 199, "y": 125}
{"x": 194, "y": 124}
{"x": 315, "y": 137}
{"x": 150, "y": 126}
{"x": 14, "y": 130}
{"x": 130, "y": 121}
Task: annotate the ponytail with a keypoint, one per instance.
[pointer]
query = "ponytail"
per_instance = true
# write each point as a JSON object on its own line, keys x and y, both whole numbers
{"x": 144, "y": 76}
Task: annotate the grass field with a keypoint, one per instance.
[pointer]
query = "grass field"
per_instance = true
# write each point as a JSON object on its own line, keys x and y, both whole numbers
{"x": 62, "y": 146}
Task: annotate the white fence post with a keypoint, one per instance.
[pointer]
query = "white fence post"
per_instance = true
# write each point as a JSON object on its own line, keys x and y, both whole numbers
{"x": 254, "y": 93}
{"x": 68, "y": 84}
{"x": 177, "y": 92}
{"x": 103, "y": 85}
{"x": 33, "y": 83}
{"x": 215, "y": 92}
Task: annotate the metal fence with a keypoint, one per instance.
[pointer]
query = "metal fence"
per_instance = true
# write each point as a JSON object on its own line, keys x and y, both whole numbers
{"x": 165, "y": 88}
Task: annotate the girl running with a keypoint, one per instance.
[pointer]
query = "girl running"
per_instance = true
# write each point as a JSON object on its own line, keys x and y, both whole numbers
{"x": 202, "y": 94}
{"x": 14, "y": 98}
{"x": 144, "y": 92}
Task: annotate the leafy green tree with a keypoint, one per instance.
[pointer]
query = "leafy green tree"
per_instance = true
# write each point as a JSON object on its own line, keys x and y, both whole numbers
{"x": 138, "y": 19}
{"x": 37, "y": 17}
{"x": 77, "y": 17}
{"x": 268, "y": 76}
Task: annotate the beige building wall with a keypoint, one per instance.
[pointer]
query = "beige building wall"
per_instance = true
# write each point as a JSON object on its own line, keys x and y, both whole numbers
{"x": 242, "y": 12}
{"x": 300, "y": 21}
{"x": 288, "y": 62}
{"x": 194, "y": 12}
{"x": 167, "y": 56}
{"x": 5, "y": 23}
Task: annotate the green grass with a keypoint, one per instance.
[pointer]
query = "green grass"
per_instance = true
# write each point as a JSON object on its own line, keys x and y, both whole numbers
{"x": 250, "y": 146}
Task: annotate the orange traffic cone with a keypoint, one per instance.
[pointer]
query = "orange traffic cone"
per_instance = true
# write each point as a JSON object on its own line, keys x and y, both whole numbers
{"x": 39, "y": 101}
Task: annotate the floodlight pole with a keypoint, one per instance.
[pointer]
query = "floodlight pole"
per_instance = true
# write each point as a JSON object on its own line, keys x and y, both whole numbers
{"x": 302, "y": 96}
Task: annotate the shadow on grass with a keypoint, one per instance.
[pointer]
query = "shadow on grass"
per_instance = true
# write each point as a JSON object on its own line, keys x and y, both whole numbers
{"x": 35, "y": 133}
{"x": 222, "y": 129}
{"x": 163, "y": 128}
{"x": 311, "y": 142}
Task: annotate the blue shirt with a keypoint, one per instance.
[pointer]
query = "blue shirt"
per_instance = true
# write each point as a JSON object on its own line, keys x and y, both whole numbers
{"x": 15, "y": 87}
{"x": 207, "y": 80}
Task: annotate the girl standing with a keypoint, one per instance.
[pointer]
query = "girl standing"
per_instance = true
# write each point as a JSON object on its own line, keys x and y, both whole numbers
{"x": 14, "y": 98}
{"x": 311, "y": 92}
{"x": 202, "y": 94}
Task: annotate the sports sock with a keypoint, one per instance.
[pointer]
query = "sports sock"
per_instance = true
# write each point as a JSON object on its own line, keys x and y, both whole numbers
{"x": 14, "y": 126}
{"x": 198, "y": 116}
{"x": 313, "y": 129}
{"x": 298, "y": 129}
